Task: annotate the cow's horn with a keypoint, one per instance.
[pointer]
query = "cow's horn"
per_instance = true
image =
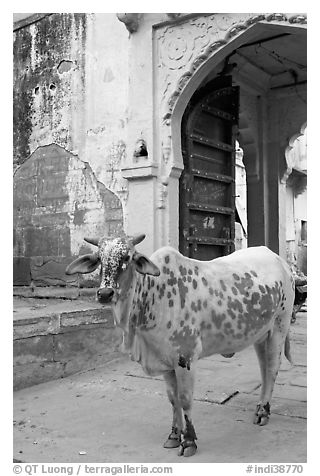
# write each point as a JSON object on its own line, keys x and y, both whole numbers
{"x": 137, "y": 239}
{"x": 92, "y": 241}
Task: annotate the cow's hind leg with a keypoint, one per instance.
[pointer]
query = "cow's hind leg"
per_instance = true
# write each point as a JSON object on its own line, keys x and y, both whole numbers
{"x": 174, "y": 439}
{"x": 269, "y": 354}
{"x": 185, "y": 380}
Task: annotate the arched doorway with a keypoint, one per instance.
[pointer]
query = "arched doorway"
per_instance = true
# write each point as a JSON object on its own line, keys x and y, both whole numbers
{"x": 270, "y": 71}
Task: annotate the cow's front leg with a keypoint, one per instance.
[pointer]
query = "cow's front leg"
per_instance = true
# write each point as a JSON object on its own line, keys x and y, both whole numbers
{"x": 174, "y": 438}
{"x": 185, "y": 380}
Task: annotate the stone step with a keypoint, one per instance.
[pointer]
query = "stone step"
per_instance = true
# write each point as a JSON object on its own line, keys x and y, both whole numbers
{"x": 54, "y": 338}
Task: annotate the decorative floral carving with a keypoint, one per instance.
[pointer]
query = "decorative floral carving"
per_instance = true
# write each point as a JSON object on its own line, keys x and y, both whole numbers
{"x": 166, "y": 147}
{"x": 298, "y": 19}
{"x": 276, "y": 17}
{"x": 179, "y": 45}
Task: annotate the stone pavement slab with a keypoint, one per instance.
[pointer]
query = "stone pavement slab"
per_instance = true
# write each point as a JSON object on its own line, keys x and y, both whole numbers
{"x": 117, "y": 414}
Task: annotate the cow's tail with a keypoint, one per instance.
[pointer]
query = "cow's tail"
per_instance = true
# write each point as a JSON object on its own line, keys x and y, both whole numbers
{"x": 287, "y": 348}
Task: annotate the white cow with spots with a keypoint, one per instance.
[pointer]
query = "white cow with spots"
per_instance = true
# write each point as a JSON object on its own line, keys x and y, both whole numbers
{"x": 174, "y": 310}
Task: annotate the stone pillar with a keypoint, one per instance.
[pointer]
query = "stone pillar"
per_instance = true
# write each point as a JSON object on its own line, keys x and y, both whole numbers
{"x": 253, "y": 121}
{"x": 141, "y": 204}
{"x": 287, "y": 112}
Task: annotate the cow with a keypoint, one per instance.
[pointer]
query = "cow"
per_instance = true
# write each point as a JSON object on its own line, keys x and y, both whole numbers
{"x": 174, "y": 310}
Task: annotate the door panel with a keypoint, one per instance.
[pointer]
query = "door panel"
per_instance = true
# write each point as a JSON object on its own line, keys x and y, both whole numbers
{"x": 207, "y": 184}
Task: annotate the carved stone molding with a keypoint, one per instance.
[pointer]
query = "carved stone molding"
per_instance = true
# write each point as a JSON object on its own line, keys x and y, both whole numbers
{"x": 162, "y": 192}
{"x": 183, "y": 48}
{"x": 131, "y": 20}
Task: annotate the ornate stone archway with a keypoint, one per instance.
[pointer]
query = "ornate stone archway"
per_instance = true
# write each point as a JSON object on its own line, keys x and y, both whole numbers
{"x": 187, "y": 50}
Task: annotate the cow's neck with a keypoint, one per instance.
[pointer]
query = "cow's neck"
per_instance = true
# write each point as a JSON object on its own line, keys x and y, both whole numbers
{"x": 131, "y": 309}
{"x": 124, "y": 304}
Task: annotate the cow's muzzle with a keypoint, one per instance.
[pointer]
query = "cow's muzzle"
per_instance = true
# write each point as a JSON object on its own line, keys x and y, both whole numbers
{"x": 105, "y": 295}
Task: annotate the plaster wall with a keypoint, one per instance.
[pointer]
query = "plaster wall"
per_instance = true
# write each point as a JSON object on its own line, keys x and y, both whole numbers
{"x": 70, "y": 116}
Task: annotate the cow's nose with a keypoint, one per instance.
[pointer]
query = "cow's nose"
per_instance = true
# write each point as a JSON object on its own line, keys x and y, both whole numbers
{"x": 105, "y": 295}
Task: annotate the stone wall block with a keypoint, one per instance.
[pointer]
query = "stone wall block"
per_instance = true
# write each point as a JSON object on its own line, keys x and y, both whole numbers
{"x": 32, "y": 350}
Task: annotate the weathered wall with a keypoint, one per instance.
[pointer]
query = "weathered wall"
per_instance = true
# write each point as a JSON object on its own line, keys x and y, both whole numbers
{"x": 70, "y": 135}
{"x": 58, "y": 201}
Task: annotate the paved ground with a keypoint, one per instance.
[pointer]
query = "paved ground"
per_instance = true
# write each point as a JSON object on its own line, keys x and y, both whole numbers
{"x": 117, "y": 414}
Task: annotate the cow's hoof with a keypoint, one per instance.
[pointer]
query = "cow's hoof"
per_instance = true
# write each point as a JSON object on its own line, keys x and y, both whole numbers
{"x": 174, "y": 439}
{"x": 172, "y": 443}
{"x": 262, "y": 413}
{"x": 187, "y": 448}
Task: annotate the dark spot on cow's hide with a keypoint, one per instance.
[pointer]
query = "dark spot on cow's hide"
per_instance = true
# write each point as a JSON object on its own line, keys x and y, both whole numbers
{"x": 262, "y": 288}
{"x": 187, "y": 316}
{"x": 219, "y": 302}
{"x": 234, "y": 304}
{"x": 205, "y": 303}
{"x": 255, "y": 298}
{"x": 172, "y": 280}
{"x": 183, "y": 270}
{"x": 194, "y": 307}
{"x": 189, "y": 279}
{"x": 193, "y": 320}
{"x": 223, "y": 286}
{"x": 169, "y": 325}
{"x": 227, "y": 327}
{"x": 181, "y": 323}
{"x": 196, "y": 270}
{"x": 205, "y": 282}
{"x": 235, "y": 276}
{"x": 194, "y": 284}
{"x": 183, "y": 290}
{"x": 165, "y": 270}
{"x": 211, "y": 291}
{"x": 184, "y": 279}
{"x": 170, "y": 303}
{"x": 190, "y": 271}
{"x": 167, "y": 259}
{"x": 254, "y": 274}
{"x": 217, "y": 318}
{"x": 209, "y": 326}
{"x": 174, "y": 290}
{"x": 152, "y": 283}
{"x": 231, "y": 314}
{"x": 245, "y": 284}
{"x": 161, "y": 292}
{"x": 234, "y": 290}
{"x": 168, "y": 294}
{"x": 199, "y": 305}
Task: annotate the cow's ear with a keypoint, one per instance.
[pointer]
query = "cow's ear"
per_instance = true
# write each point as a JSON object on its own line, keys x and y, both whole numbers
{"x": 144, "y": 265}
{"x": 84, "y": 264}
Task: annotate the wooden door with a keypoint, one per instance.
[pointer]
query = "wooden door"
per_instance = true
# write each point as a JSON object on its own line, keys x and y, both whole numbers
{"x": 207, "y": 184}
